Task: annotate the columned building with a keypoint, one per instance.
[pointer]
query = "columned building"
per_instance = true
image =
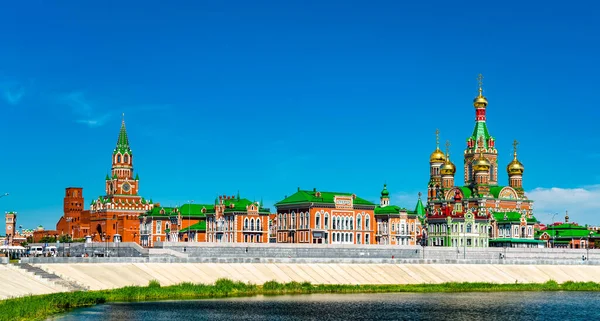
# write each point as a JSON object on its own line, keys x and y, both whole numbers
{"x": 115, "y": 216}
{"x": 397, "y": 225}
{"x": 325, "y": 218}
{"x": 233, "y": 219}
{"x": 469, "y": 215}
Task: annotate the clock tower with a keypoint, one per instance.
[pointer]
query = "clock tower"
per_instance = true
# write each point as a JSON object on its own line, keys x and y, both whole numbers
{"x": 115, "y": 215}
{"x": 11, "y": 226}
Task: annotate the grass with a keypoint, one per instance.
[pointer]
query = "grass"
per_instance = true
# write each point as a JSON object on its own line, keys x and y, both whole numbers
{"x": 41, "y": 306}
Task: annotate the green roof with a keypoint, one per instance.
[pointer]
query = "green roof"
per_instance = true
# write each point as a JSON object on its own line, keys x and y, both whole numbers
{"x": 386, "y": 210}
{"x": 195, "y": 209}
{"x": 237, "y": 204}
{"x": 567, "y": 230}
{"x": 506, "y": 217}
{"x": 302, "y": 196}
{"x": 122, "y": 141}
{"x": 420, "y": 209}
{"x": 481, "y": 130}
{"x": 466, "y": 191}
{"x": 156, "y": 211}
{"x": 513, "y": 240}
{"x": 200, "y": 226}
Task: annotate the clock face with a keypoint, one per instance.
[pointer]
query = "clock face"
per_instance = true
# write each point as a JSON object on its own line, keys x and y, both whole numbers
{"x": 126, "y": 187}
{"x": 9, "y": 227}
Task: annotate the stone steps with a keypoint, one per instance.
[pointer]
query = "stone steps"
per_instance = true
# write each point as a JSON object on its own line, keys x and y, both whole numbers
{"x": 72, "y": 286}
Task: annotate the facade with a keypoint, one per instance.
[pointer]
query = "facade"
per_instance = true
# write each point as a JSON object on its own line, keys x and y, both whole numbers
{"x": 75, "y": 221}
{"x": 569, "y": 235}
{"x": 396, "y": 225}
{"x": 466, "y": 215}
{"x": 234, "y": 220}
{"x": 115, "y": 216}
{"x": 325, "y": 218}
{"x": 172, "y": 224}
{"x": 11, "y": 227}
{"x": 513, "y": 229}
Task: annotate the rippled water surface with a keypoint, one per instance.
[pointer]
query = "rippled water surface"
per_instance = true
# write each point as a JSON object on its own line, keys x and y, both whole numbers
{"x": 546, "y": 306}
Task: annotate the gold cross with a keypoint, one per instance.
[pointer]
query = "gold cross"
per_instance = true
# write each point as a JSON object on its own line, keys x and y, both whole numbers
{"x": 447, "y": 148}
{"x": 420, "y": 195}
{"x": 480, "y": 82}
{"x": 437, "y": 137}
{"x": 515, "y": 143}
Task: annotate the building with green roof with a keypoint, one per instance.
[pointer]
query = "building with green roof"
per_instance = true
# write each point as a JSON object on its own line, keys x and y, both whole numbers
{"x": 568, "y": 235}
{"x": 321, "y": 217}
{"x": 396, "y": 225}
{"x": 233, "y": 219}
{"x": 513, "y": 229}
{"x": 454, "y": 209}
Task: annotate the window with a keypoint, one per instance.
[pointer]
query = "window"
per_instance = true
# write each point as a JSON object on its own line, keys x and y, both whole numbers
{"x": 359, "y": 222}
{"x": 293, "y": 221}
{"x": 126, "y": 158}
{"x": 158, "y": 227}
{"x": 358, "y": 236}
{"x": 258, "y": 226}
{"x": 367, "y": 238}
{"x": 118, "y": 158}
{"x": 318, "y": 221}
{"x": 246, "y": 223}
{"x": 307, "y": 220}
{"x": 326, "y": 220}
{"x": 469, "y": 228}
{"x": 334, "y": 223}
{"x": 301, "y": 220}
{"x": 367, "y": 224}
{"x": 252, "y": 225}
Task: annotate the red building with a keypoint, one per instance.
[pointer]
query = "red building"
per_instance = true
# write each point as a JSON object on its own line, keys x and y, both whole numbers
{"x": 116, "y": 215}
{"x": 75, "y": 221}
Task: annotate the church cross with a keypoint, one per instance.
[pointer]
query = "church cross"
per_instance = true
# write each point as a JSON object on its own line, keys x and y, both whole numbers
{"x": 437, "y": 138}
{"x": 480, "y": 82}
{"x": 515, "y": 143}
{"x": 447, "y": 147}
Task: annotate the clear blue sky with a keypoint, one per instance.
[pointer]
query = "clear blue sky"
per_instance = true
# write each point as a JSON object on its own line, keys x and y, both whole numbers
{"x": 266, "y": 96}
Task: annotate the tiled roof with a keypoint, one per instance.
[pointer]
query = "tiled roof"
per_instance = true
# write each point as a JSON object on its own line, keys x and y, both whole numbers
{"x": 302, "y": 196}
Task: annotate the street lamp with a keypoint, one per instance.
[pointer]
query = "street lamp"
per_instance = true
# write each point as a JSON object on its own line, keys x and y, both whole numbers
{"x": 553, "y": 236}
{"x": 189, "y": 219}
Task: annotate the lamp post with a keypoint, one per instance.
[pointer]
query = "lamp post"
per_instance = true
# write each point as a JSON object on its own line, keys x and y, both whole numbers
{"x": 189, "y": 220}
{"x": 553, "y": 239}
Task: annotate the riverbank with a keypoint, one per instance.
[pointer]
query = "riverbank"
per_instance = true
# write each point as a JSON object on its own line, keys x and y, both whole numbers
{"x": 42, "y": 306}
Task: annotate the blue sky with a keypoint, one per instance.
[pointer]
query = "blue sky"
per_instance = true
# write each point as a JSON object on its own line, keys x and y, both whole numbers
{"x": 266, "y": 96}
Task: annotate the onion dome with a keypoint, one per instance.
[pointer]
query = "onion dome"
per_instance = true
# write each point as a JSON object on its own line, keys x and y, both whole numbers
{"x": 480, "y": 101}
{"x": 515, "y": 167}
{"x": 437, "y": 156}
{"x": 448, "y": 168}
{"x": 385, "y": 192}
{"x": 481, "y": 164}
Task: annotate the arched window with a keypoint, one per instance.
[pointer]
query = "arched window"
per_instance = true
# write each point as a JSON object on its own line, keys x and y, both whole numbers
{"x": 301, "y": 220}
{"x": 252, "y": 225}
{"x": 359, "y": 222}
{"x": 367, "y": 241}
{"x": 307, "y": 220}
{"x": 367, "y": 224}
{"x": 318, "y": 221}
{"x": 246, "y": 223}
{"x": 293, "y": 222}
{"x": 326, "y": 220}
{"x": 126, "y": 157}
{"x": 469, "y": 228}
{"x": 351, "y": 223}
{"x": 258, "y": 226}
{"x": 334, "y": 223}
{"x": 119, "y": 158}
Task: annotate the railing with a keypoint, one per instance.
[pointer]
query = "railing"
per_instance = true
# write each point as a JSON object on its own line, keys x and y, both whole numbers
{"x": 146, "y": 232}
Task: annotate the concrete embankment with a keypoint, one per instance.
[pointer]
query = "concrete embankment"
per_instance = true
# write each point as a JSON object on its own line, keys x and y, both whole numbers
{"x": 116, "y": 275}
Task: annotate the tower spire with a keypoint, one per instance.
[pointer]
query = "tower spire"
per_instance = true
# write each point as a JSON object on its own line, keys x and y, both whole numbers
{"x": 480, "y": 83}
{"x": 122, "y": 140}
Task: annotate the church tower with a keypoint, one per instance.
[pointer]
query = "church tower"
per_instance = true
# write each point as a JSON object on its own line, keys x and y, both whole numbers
{"x": 447, "y": 170}
{"x": 481, "y": 143}
{"x": 515, "y": 172}
{"x": 121, "y": 181}
{"x": 436, "y": 160}
{"x": 385, "y": 197}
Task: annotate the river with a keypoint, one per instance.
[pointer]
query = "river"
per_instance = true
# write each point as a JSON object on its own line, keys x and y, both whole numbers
{"x": 547, "y": 306}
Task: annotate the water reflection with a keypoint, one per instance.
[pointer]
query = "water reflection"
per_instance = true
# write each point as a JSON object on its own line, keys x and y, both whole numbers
{"x": 546, "y": 306}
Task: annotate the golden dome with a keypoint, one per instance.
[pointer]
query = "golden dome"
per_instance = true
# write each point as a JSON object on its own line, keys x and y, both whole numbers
{"x": 481, "y": 164}
{"x": 515, "y": 167}
{"x": 448, "y": 168}
{"x": 437, "y": 156}
{"x": 480, "y": 101}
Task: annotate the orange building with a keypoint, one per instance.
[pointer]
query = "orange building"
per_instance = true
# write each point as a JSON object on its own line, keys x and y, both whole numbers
{"x": 325, "y": 217}
{"x": 396, "y": 225}
{"x": 75, "y": 221}
{"x": 233, "y": 220}
{"x": 186, "y": 223}
{"x": 115, "y": 216}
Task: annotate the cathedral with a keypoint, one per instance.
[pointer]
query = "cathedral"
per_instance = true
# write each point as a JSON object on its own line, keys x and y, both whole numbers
{"x": 481, "y": 212}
